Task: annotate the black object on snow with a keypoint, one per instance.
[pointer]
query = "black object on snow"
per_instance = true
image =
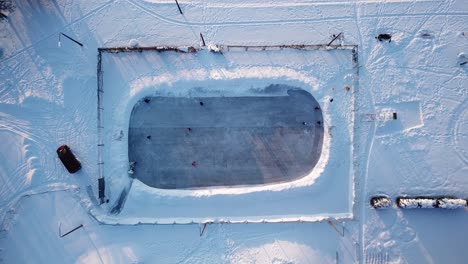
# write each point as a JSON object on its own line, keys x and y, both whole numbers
{"x": 331, "y": 100}
{"x": 71, "y": 231}
{"x": 70, "y": 38}
{"x": 304, "y": 123}
{"x": 427, "y": 35}
{"x": 201, "y": 103}
{"x": 178, "y": 6}
{"x": 147, "y": 100}
{"x": 203, "y": 40}
{"x": 101, "y": 187}
{"x": 380, "y": 202}
{"x": 382, "y": 37}
{"x": 319, "y": 123}
{"x": 394, "y": 116}
{"x": 68, "y": 159}
{"x": 148, "y": 137}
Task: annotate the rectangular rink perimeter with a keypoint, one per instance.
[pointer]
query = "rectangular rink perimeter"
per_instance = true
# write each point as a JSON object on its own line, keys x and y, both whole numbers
{"x": 179, "y": 142}
{"x": 325, "y": 192}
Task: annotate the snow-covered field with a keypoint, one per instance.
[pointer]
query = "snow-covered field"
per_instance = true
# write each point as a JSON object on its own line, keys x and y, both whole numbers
{"x": 48, "y": 97}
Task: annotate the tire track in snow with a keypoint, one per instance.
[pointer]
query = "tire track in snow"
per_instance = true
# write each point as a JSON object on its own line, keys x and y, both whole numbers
{"x": 283, "y": 21}
{"x": 458, "y": 118}
{"x": 47, "y": 188}
{"x": 54, "y": 34}
{"x": 16, "y": 126}
{"x": 12, "y": 157}
{"x": 257, "y": 4}
{"x": 34, "y": 153}
{"x": 238, "y": 23}
{"x": 427, "y": 18}
{"x": 42, "y": 126}
{"x": 363, "y": 181}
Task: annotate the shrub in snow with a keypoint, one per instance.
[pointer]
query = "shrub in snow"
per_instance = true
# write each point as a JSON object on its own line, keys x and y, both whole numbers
{"x": 451, "y": 203}
{"x": 416, "y": 202}
{"x": 428, "y": 202}
{"x": 379, "y": 202}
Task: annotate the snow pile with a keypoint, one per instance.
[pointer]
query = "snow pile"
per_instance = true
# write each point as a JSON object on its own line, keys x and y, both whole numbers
{"x": 133, "y": 43}
{"x": 451, "y": 203}
{"x": 462, "y": 59}
{"x": 214, "y": 48}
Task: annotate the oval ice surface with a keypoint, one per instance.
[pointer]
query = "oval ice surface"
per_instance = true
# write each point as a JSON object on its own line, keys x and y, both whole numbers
{"x": 179, "y": 142}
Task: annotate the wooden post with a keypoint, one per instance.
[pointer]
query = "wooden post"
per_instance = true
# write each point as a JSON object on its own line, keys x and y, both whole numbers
{"x": 203, "y": 40}
{"x": 178, "y": 6}
{"x": 337, "y": 36}
{"x": 203, "y": 229}
{"x": 74, "y": 229}
{"x": 70, "y": 38}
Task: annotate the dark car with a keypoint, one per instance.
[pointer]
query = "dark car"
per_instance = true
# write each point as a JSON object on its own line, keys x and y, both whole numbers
{"x": 68, "y": 159}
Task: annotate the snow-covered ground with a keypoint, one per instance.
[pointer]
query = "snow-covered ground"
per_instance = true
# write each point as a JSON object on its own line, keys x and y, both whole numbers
{"x": 236, "y": 72}
{"x": 48, "y": 97}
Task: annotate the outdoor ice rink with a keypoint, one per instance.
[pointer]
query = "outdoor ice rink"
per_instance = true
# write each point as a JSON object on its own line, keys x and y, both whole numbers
{"x": 250, "y": 176}
{"x": 217, "y": 141}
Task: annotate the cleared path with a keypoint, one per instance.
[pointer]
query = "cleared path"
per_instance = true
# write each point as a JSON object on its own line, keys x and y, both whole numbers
{"x": 224, "y": 141}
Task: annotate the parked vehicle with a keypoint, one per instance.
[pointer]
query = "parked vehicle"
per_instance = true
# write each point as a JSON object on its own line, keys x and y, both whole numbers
{"x": 68, "y": 159}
